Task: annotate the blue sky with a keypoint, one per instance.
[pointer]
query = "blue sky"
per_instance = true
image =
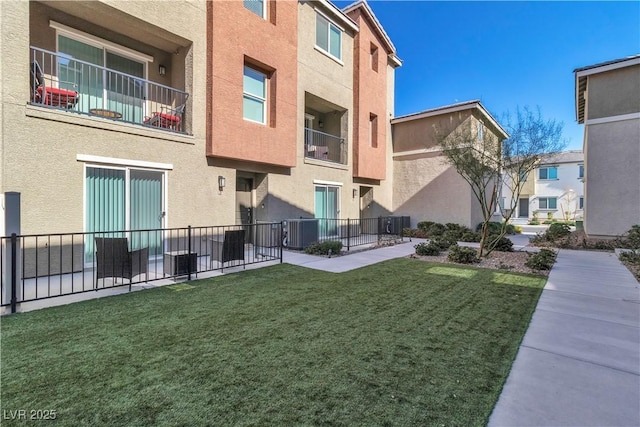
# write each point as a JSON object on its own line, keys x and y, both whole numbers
{"x": 507, "y": 54}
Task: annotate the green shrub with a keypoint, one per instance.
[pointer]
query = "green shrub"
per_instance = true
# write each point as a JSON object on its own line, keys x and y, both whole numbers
{"x": 542, "y": 260}
{"x": 408, "y": 232}
{"x": 500, "y": 244}
{"x": 419, "y": 233}
{"x": 512, "y": 229}
{"x": 631, "y": 257}
{"x": 427, "y": 249}
{"x": 547, "y": 222}
{"x": 534, "y": 222}
{"x": 424, "y": 225}
{"x": 496, "y": 228}
{"x": 633, "y": 237}
{"x": 436, "y": 230}
{"x": 556, "y": 231}
{"x": 470, "y": 236}
{"x": 463, "y": 255}
{"x": 329, "y": 247}
{"x": 451, "y": 237}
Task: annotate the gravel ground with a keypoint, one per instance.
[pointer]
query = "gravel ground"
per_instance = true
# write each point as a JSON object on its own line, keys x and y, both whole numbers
{"x": 508, "y": 261}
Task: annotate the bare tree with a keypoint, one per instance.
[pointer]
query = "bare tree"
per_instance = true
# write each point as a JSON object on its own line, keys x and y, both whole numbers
{"x": 490, "y": 164}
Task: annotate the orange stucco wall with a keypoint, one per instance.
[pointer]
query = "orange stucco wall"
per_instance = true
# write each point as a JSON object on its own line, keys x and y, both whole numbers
{"x": 370, "y": 97}
{"x": 236, "y": 35}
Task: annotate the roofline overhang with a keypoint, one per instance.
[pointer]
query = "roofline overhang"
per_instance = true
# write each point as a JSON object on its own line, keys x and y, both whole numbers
{"x": 582, "y": 73}
{"x": 448, "y": 109}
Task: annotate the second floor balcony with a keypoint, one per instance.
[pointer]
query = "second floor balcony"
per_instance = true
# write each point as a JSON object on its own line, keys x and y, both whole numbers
{"x": 117, "y": 91}
{"x": 323, "y": 146}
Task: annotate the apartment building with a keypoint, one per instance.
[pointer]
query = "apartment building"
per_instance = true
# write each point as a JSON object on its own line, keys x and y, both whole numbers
{"x": 608, "y": 104}
{"x": 299, "y": 116}
{"x": 425, "y": 185}
{"x": 102, "y": 119}
{"x": 553, "y": 190}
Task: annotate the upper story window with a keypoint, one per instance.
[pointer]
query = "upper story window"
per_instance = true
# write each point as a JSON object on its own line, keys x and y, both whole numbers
{"x": 480, "y": 132}
{"x": 580, "y": 171}
{"x": 374, "y": 57}
{"x": 254, "y": 91}
{"x": 328, "y": 37}
{"x": 548, "y": 173}
{"x": 259, "y": 7}
{"x": 581, "y": 203}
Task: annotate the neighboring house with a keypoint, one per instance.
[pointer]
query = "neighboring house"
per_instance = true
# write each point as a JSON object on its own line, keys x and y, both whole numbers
{"x": 608, "y": 104}
{"x": 554, "y": 189}
{"x": 425, "y": 186}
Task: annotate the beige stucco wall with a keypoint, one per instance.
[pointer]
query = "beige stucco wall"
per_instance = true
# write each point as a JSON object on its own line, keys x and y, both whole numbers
{"x": 41, "y": 146}
{"x": 292, "y": 195}
{"x": 425, "y": 186}
{"x": 614, "y": 93}
{"x": 612, "y": 177}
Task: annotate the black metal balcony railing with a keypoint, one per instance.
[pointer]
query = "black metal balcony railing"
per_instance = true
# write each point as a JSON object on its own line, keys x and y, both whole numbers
{"x": 58, "y": 81}
{"x": 323, "y": 146}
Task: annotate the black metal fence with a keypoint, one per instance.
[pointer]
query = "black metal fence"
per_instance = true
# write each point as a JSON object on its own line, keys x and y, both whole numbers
{"x": 300, "y": 233}
{"x": 35, "y": 267}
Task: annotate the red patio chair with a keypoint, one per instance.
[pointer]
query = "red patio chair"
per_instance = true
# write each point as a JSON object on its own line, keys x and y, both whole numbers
{"x": 167, "y": 118}
{"x": 53, "y": 96}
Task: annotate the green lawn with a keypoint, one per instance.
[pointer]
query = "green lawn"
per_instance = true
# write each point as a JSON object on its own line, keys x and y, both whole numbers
{"x": 403, "y": 342}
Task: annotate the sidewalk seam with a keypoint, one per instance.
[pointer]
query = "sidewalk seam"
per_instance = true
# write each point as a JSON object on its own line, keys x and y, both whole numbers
{"x": 637, "y": 374}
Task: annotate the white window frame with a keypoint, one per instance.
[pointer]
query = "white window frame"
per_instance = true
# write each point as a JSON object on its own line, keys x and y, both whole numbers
{"x": 547, "y": 169}
{"x": 264, "y": 9}
{"x": 329, "y": 24}
{"x": 546, "y": 199}
{"x": 257, "y": 98}
{"x": 480, "y": 131}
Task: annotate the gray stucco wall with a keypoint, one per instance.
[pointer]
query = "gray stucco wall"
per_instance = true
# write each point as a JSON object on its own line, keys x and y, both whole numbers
{"x": 612, "y": 185}
{"x": 614, "y": 93}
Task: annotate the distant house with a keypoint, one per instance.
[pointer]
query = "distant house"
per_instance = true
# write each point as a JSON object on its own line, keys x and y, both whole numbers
{"x": 608, "y": 104}
{"x": 554, "y": 189}
{"x": 425, "y": 186}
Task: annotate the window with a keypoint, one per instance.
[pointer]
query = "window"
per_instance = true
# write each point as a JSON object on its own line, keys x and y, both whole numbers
{"x": 548, "y": 173}
{"x": 373, "y": 130}
{"x": 548, "y": 203}
{"x": 374, "y": 57}
{"x": 256, "y": 6}
{"x": 119, "y": 86}
{"x": 523, "y": 176}
{"x": 255, "y": 95}
{"x": 580, "y": 171}
{"x": 581, "y": 203}
{"x": 328, "y": 37}
{"x": 480, "y": 132}
{"x": 118, "y": 199}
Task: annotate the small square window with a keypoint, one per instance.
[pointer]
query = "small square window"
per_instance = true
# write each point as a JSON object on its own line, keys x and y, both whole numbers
{"x": 256, "y": 6}
{"x": 548, "y": 173}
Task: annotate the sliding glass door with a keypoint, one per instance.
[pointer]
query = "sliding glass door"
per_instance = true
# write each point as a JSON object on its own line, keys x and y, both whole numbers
{"x": 326, "y": 208}
{"x": 124, "y": 199}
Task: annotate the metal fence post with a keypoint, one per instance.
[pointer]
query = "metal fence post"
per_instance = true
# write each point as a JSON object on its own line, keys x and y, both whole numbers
{"x": 14, "y": 272}
{"x": 281, "y": 245}
{"x": 189, "y": 252}
{"x": 348, "y": 234}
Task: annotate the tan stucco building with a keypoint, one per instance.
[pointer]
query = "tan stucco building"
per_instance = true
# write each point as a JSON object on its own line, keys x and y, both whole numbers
{"x": 425, "y": 185}
{"x": 608, "y": 104}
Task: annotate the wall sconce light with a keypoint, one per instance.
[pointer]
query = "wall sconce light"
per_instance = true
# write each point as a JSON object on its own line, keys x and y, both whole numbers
{"x": 355, "y": 193}
{"x": 162, "y": 70}
{"x": 321, "y": 124}
{"x": 221, "y": 182}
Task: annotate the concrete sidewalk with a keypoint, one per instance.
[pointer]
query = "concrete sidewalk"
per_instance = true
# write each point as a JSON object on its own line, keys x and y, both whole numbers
{"x": 351, "y": 261}
{"x": 579, "y": 362}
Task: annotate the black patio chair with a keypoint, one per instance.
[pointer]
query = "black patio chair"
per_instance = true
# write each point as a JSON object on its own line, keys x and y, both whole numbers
{"x": 113, "y": 259}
